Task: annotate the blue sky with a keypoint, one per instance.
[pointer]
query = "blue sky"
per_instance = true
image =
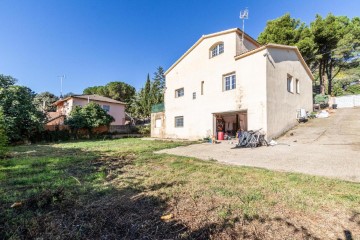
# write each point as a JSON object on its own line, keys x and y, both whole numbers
{"x": 95, "y": 42}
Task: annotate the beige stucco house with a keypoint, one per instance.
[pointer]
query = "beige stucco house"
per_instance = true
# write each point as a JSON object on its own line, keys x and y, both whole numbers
{"x": 64, "y": 106}
{"x": 223, "y": 84}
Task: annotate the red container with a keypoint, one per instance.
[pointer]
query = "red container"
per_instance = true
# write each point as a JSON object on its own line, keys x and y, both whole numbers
{"x": 220, "y": 135}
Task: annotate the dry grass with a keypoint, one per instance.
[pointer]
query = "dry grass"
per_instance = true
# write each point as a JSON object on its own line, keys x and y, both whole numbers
{"x": 120, "y": 189}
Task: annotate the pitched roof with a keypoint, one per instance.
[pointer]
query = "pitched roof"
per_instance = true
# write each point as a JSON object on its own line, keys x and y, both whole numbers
{"x": 237, "y": 30}
{"x": 279, "y": 46}
{"x": 93, "y": 97}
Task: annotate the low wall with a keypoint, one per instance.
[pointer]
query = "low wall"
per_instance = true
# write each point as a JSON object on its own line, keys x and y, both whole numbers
{"x": 347, "y": 101}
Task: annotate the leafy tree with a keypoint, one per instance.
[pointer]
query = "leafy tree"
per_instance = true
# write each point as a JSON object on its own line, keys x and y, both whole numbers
{"x": 289, "y": 31}
{"x": 6, "y": 81}
{"x": 158, "y": 86}
{"x": 21, "y": 118}
{"x": 329, "y": 45}
{"x": 88, "y": 117}
{"x": 44, "y": 102}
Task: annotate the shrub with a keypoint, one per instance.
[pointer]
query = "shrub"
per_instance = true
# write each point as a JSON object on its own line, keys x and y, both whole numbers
{"x": 321, "y": 99}
{"x": 144, "y": 130}
{"x": 353, "y": 89}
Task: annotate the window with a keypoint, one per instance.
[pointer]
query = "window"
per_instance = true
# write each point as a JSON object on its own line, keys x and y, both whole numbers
{"x": 297, "y": 86}
{"x": 202, "y": 87}
{"x": 194, "y": 95}
{"x": 106, "y": 108}
{"x": 290, "y": 87}
{"x": 179, "y": 121}
{"x": 218, "y": 49}
{"x": 179, "y": 92}
{"x": 158, "y": 123}
{"x": 229, "y": 82}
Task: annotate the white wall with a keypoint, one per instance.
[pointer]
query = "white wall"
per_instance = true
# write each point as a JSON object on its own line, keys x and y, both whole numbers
{"x": 281, "y": 104}
{"x": 197, "y": 67}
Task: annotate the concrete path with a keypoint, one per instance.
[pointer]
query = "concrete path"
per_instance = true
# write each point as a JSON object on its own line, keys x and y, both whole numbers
{"x": 326, "y": 147}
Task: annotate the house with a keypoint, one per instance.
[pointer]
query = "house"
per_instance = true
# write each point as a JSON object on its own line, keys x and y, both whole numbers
{"x": 226, "y": 81}
{"x": 64, "y": 106}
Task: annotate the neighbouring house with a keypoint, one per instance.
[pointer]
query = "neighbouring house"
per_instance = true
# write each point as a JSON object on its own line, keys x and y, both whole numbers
{"x": 226, "y": 82}
{"x": 64, "y": 106}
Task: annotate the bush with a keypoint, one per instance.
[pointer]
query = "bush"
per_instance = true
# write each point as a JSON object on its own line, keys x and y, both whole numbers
{"x": 321, "y": 99}
{"x": 353, "y": 89}
{"x": 3, "y": 144}
{"x": 144, "y": 130}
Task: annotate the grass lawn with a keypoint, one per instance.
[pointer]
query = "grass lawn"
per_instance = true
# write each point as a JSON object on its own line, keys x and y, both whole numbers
{"x": 120, "y": 189}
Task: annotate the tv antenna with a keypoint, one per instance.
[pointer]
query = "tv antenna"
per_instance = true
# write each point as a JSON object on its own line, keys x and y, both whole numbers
{"x": 244, "y": 14}
{"x": 62, "y": 77}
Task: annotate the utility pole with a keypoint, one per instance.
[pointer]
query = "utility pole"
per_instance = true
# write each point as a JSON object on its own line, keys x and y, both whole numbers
{"x": 61, "y": 84}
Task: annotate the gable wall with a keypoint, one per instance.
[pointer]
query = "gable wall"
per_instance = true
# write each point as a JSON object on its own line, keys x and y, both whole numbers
{"x": 196, "y": 67}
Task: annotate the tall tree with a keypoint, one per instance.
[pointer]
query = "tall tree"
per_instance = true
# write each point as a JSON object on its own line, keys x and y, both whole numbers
{"x": 289, "y": 31}
{"x": 337, "y": 42}
{"x": 44, "y": 102}
{"x": 116, "y": 90}
{"x": 6, "y": 81}
{"x": 21, "y": 117}
{"x": 158, "y": 86}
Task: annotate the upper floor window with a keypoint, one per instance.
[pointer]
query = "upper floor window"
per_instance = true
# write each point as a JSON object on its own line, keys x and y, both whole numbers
{"x": 179, "y": 92}
{"x": 229, "y": 82}
{"x": 217, "y": 49}
{"x": 290, "y": 87}
{"x": 106, "y": 108}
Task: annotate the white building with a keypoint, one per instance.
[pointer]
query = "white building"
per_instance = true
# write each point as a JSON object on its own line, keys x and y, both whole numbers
{"x": 223, "y": 84}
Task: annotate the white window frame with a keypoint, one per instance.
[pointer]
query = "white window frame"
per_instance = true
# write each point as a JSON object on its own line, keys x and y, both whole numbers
{"x": 290, "y": 83}
{"x": 229, "y": 82}
{"x": 179, "y": 92}
{"x": 297, "y": 84}
{"x": 217, "y": 50}
{"x": 179, "y": 121}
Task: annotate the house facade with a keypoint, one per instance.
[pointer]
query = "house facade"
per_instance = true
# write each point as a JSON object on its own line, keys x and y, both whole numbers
{"x": 64, "y": 106}
{"x": 223, "y": 84}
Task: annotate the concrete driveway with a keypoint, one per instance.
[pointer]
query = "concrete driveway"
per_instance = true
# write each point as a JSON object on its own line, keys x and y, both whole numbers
{"x": 325, "y": 147}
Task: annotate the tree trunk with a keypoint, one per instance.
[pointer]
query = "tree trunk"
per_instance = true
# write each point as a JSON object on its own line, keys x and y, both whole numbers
{"x": 329, "y": 76}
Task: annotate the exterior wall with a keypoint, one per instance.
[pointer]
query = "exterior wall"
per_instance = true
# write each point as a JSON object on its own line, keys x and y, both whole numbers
{"x": 116, "y": 110}
{"x": 239, "y": 46}
{"x": 281, "y": 104}
{"x": 158, "y": 132}
{"x": 197, "y": 67}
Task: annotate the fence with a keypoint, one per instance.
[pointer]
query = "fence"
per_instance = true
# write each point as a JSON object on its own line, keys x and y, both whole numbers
{"x": 348, "y": 101}
{"x": 121, "y": 128}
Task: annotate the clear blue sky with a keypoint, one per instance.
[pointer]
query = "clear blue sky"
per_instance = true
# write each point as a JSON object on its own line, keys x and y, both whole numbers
{"x": 95, "y": 42}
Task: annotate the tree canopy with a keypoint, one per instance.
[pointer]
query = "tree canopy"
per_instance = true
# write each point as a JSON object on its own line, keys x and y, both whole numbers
{"x": 44, "y": 101}
{"x": 116, "y": 90}
{"x": 20, "y": 116}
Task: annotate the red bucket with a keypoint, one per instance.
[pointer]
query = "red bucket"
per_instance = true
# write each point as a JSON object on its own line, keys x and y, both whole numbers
{"x": 220, "y": 135}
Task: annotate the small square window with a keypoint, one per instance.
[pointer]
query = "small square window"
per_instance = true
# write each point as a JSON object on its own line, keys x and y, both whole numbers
{"x": 194, "y": 95}
{"x": 106, "y": 108}
{"x": 179, "y": 92}
{"x": 179, "y": 121}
